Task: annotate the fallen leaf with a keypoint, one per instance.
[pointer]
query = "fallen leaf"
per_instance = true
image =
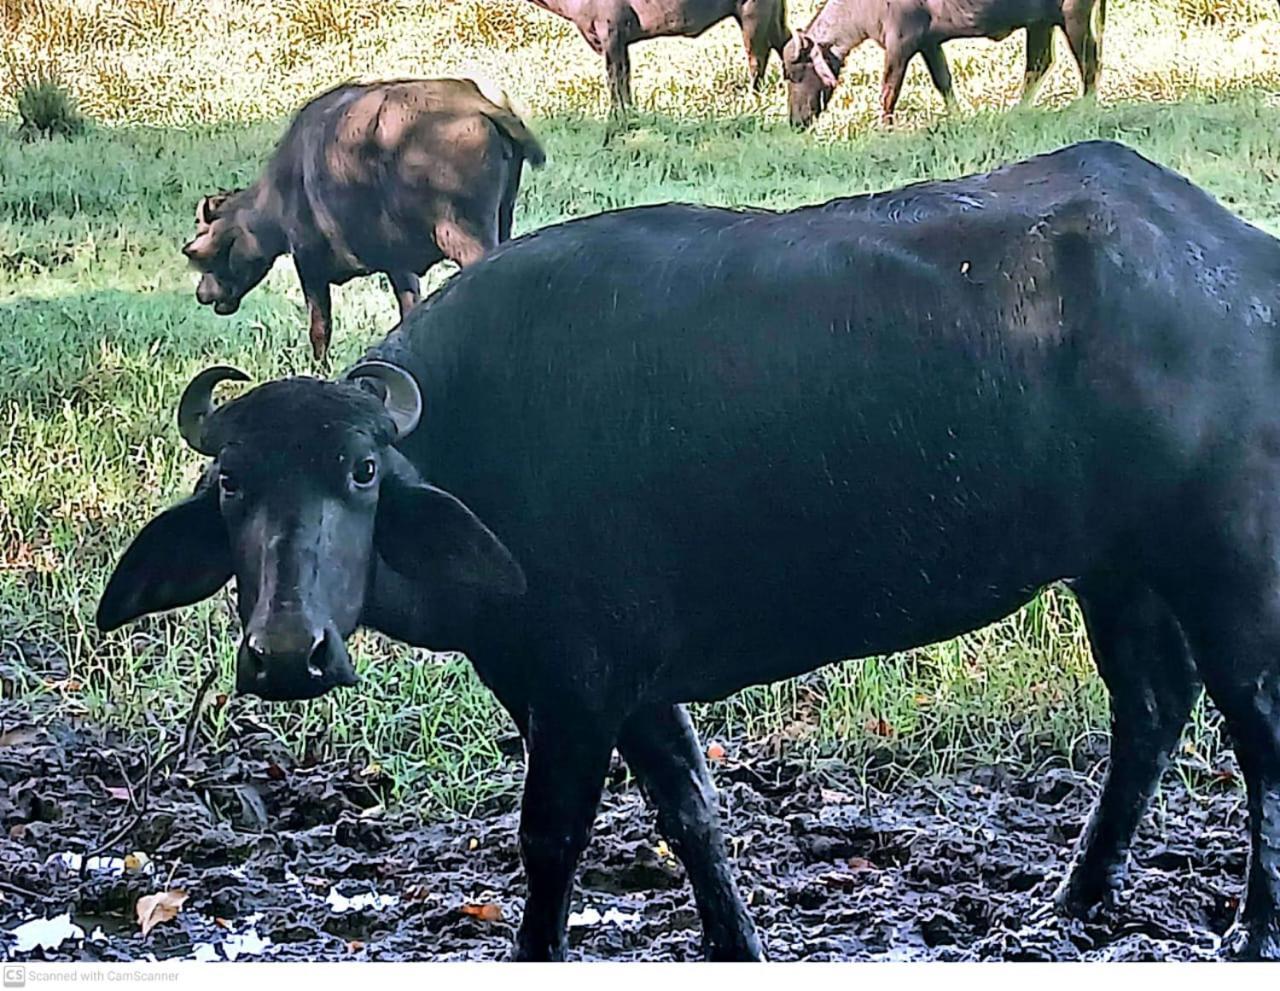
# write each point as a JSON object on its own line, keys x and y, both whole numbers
{"x": 832, "y": 797}
{"x": 372, "y": 770}
{"x": 472, "y": 843}
{"x": 17, "y": 830}
{"x": 275, "y": 772}
{"x": 861, "y": 864}
{"x": 354, "y": 946}
{"x": 163, "y": 906}
{"x": 220, "y": 700}
{"x": 19, "y": 737}
{"x": 880, "y": 727}
{"x": 222, "y": 923}
{"x": 485, "y": 911}
{"x": 663, "y": 850}
{"x": 715, "y": 752}
{"x": 119, "y": 794}
{"x": 316, "y": 882}
{"x": 417, "y": 893}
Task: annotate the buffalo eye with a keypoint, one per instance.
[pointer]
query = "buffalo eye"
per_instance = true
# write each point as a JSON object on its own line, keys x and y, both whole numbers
{"x": 228, "y": 484}
{"x": 364, "y": 472}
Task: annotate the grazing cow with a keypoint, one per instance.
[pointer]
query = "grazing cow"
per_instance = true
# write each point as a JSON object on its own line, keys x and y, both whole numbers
{"x": 668, "y": 452}
{"x": 815, "y": 55}
{"x": 611, "y": 26}
{"x": 376, "y": 177}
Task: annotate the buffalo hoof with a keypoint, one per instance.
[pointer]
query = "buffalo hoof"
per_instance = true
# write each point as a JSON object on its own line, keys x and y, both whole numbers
{"x": 1085, "y": 896}
{"x": 1252, "y": 942}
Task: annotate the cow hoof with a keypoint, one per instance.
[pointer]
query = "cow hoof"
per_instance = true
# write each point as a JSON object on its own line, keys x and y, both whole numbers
{"x": 1244, "y": 942}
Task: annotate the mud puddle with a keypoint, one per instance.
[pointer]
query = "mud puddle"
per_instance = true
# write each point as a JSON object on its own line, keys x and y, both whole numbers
{"x": 279, "y": 861}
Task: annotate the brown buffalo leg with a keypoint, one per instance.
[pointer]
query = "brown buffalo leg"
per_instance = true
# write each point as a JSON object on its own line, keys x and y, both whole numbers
{"x": 320, "y": 308}
{"x": 661, "y": 748}
{"x": 1144, "y": 660}
{"x": 460, "y": 242}
{"x": 617, "y": 59}
{"x": 940, "y": 73}
{"x": 896, "y": 59}
{"x": 1039, "y": 60}
{"x": 1085, "y": 45}
{"x": 567, "y": 760}
{"x": 408, "y": 290}
{"x": 757, "y": 38}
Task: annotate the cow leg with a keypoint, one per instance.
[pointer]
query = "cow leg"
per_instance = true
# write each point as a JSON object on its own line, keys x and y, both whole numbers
{"x": 661, "y": 748}
{"x": 940, "y": 73}
{"x": 896, "y": 60}
{"x": 1143, "y": 657}
{"x": 408, "y": 290}
{"x": 567, "y": 761}
{"x": 320, "y": 308}
{"x": 461, "y": 242}
{"x": 1039, "y": 60}
{"x": 1086, "y": 46}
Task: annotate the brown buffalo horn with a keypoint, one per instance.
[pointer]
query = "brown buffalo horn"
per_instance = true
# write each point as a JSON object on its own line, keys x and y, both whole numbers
{"x": 403, "y": 398}
{"x": 197, "y": 403}
{"x": 803, "y": 42}
{"x": 822, "y": 67}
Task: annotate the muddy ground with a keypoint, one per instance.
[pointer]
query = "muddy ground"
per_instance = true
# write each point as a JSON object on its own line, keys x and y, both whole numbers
{"x": 288, "y": 862}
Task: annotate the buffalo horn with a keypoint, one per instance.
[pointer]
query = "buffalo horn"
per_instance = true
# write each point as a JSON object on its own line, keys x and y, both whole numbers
{"x": 197, "y": 403}
{"x": 403, "y": 398}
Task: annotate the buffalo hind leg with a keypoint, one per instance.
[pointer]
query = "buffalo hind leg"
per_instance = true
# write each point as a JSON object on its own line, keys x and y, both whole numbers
{"x": 567, "y": 761}
{"x": 940, "y": 73}
{"x": 408, "y": 290}
{"x": 1039, "y": 61}
{"x": 1143, "y": 657}
{"x": 1235, "y": 632}
{"x": 661, "y": 747}
{"x": 761, "y": 31}
{"x": 1086, "y": 44}
{"x": 617, "y": 58}
{"x": 461, "y": 242}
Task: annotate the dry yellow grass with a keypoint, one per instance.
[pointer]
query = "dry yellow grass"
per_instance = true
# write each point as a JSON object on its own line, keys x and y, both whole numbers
{"x": 198, "y": 61}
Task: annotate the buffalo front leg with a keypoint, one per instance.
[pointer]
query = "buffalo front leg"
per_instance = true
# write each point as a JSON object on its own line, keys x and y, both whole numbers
{"x": 940, "y": 73}
{"x": 661, "y": 747}
{"x": 320, "y": 311}
{"x": 758, "y": 38}
{"x": 1039, "y": 60}
{"x": 408, "y": 290}
{"x": 1143, "y": 657}
{"x": 567, "y": 762}
{"x": 896, "y": 60}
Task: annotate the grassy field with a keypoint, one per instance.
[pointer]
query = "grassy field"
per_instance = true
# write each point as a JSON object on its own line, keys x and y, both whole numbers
{"x": 99, "y": 329}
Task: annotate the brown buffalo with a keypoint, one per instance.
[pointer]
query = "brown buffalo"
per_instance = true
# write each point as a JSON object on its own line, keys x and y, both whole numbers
{"x": 815, "y": 55}
{"x": 610, "y": 26}
{"x": 379, "y": 177}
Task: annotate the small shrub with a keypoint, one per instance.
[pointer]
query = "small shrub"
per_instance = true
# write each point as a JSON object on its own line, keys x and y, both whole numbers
{"x": 1217, "y": 13}
{"x": 46, "y": 108}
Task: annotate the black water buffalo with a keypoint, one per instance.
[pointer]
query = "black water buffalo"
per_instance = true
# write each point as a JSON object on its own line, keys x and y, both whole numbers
{"x": 379, "y": 177}
{"x": 672, "y": 451}
{"x": 815, "y": 55}
{"x": 611, "y": 26}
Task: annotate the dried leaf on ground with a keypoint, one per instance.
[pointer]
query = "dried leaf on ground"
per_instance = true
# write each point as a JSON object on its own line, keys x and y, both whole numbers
{"x": 163, "y": 906}
{"x": 484, "y": 911}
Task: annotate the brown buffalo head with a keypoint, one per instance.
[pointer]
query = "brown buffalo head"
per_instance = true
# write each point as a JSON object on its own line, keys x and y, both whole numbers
{"x": 232, "y": 250}
{"x": 811, "y": 69}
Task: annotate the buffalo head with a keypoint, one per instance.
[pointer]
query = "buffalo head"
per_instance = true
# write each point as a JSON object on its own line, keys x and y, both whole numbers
{"x": 305, "y": 497}
{"x": 233, "y": 250}
{"x": 811, "y": 70}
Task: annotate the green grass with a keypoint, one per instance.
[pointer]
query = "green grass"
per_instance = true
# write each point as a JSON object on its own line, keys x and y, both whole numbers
{"x": 99, "y": 331}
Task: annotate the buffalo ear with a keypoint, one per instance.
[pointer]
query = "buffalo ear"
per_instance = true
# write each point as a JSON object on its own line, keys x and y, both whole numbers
{"x": 427, "y": 534}
{"x": 180, "y": 557}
